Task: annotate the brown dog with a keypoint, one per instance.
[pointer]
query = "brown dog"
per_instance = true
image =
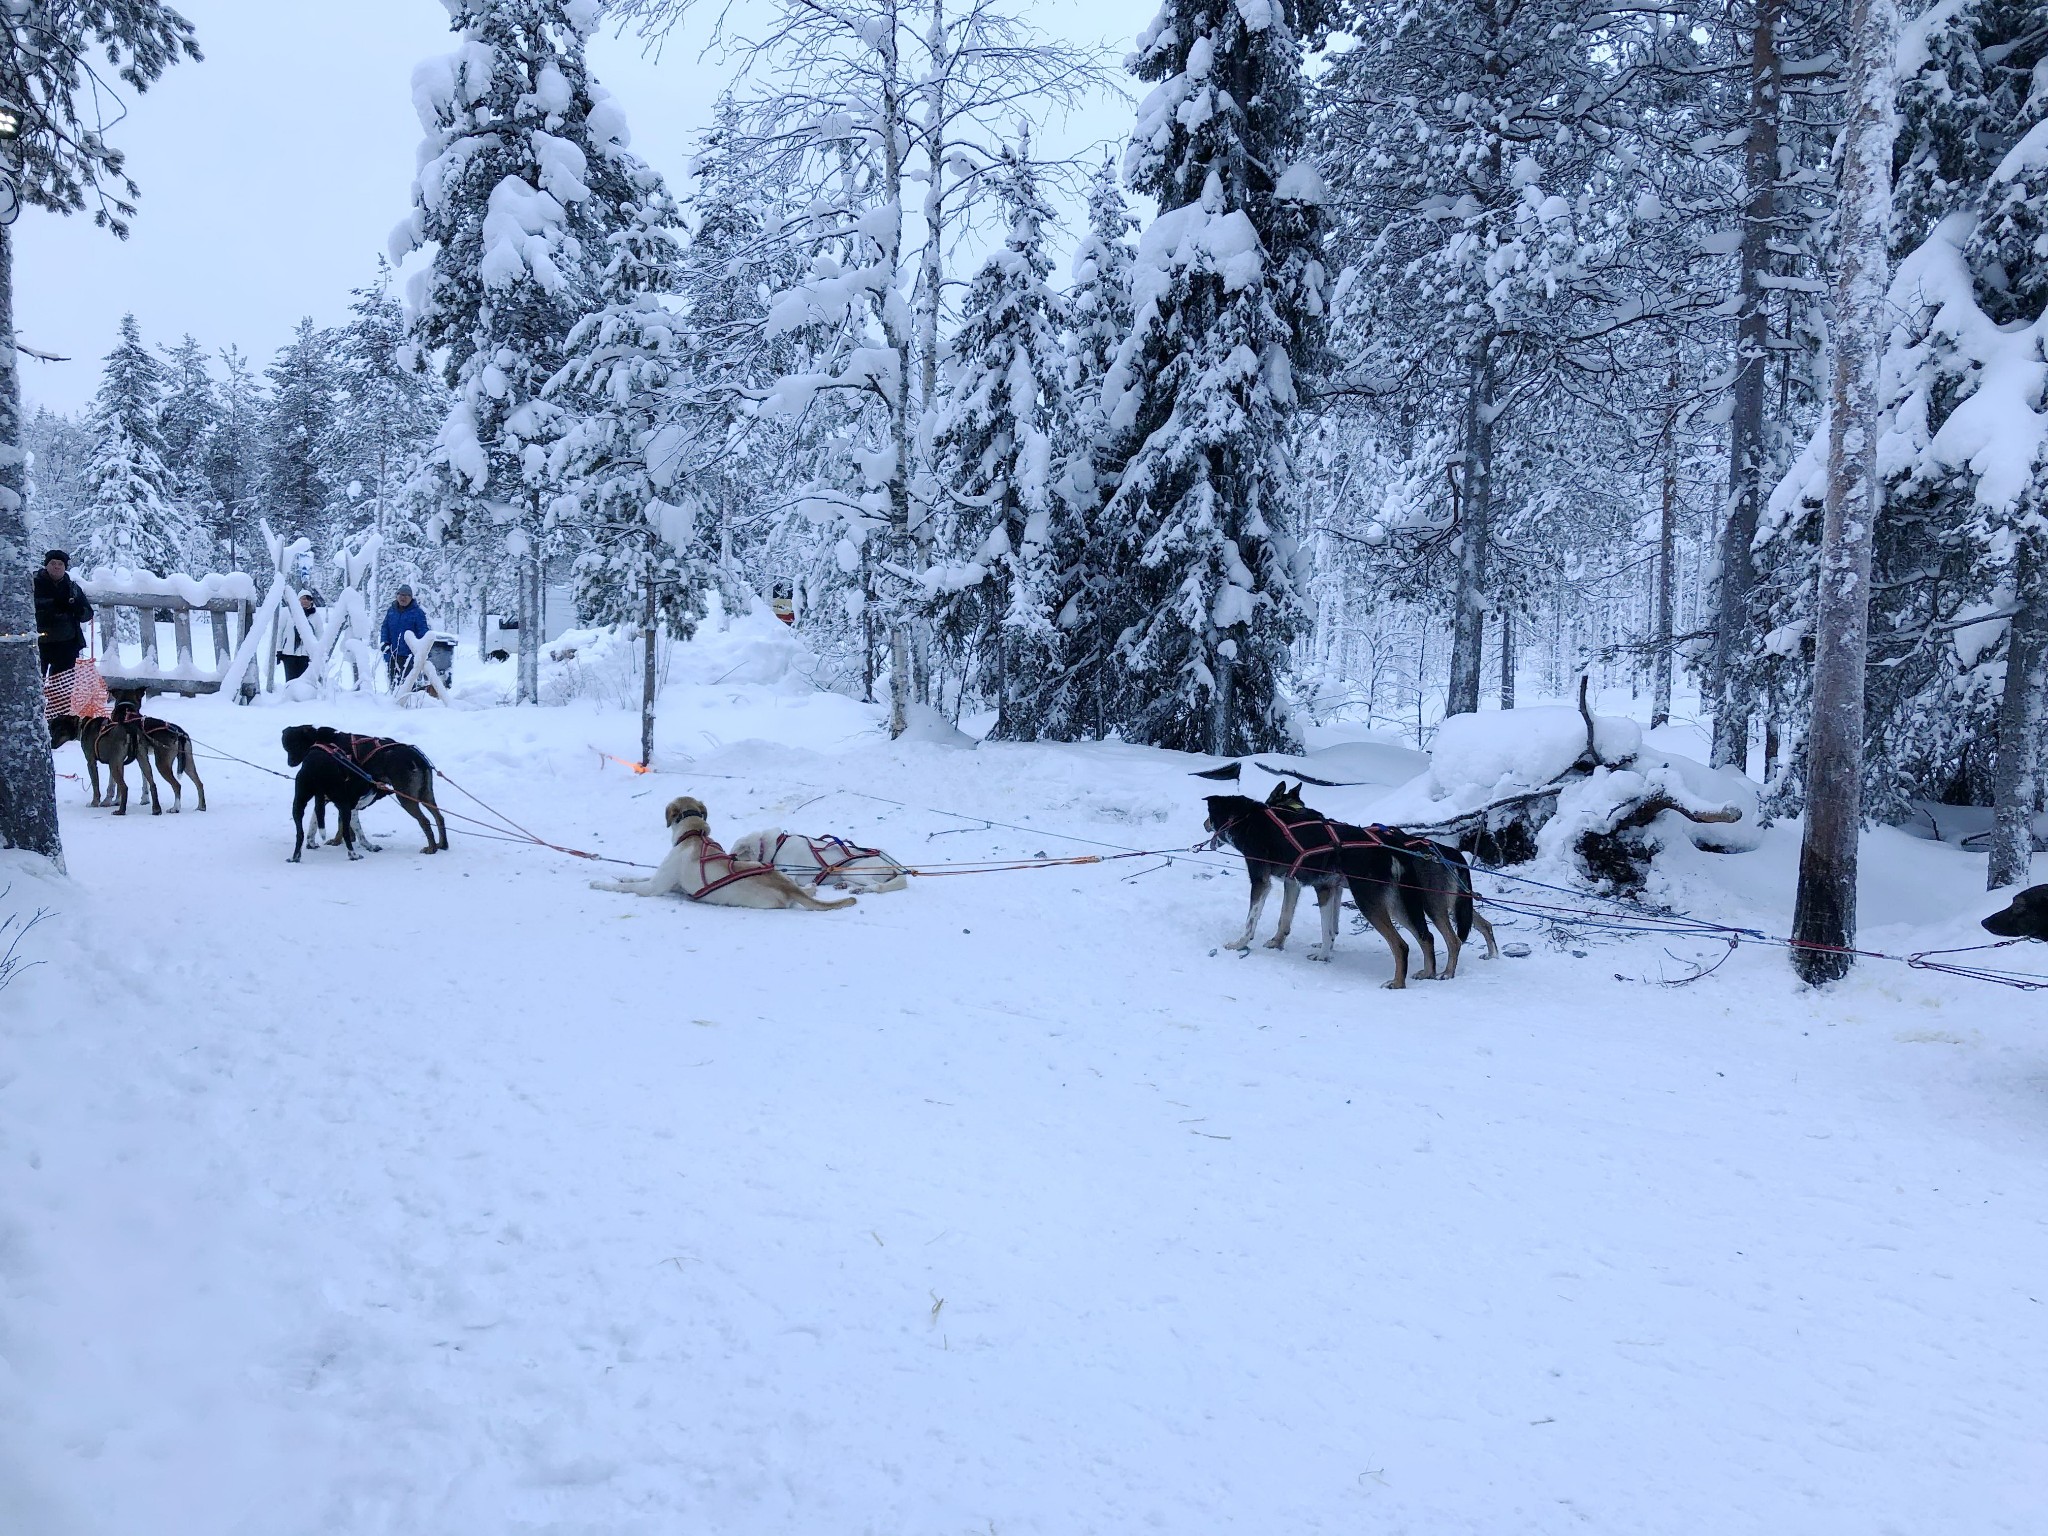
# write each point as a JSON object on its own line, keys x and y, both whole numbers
{"x": 698, "y": 868}
{"x": 112, "y": 744}
{"x": 166, "y": 742}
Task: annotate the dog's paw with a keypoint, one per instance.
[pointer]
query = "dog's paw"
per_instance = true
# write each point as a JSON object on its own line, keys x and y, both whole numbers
{"x": 1393, "y": 986}
{"x": 1278, "y": 941}
{"x": 1318, "y": 953}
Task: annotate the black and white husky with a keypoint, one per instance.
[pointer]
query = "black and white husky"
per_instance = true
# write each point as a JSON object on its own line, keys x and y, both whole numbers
{"x": 1300, "y": 848}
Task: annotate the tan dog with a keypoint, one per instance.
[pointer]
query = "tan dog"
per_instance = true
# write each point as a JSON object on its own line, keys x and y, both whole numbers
{"x": 698, "y": 868}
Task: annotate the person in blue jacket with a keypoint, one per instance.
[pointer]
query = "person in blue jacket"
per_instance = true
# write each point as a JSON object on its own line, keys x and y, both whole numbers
{"x": 404, "y": 617}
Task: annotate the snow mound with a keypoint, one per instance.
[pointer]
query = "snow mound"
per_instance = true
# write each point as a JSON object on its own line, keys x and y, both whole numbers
{"x": 755, "y": 648}
{"x": 1484, "y": 757}
{"x": 922, "y": 723}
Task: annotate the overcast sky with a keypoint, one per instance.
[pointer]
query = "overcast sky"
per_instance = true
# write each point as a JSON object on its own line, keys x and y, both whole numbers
{"x": 273, "y": 172}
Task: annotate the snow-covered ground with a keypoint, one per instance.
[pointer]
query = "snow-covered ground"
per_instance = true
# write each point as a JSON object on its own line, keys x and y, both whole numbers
{"x": 450, "y": 1196}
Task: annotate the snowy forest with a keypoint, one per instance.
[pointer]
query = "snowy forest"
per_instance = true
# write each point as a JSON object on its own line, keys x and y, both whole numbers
{"x": 651, "y": 868}
{"x": 1406, "y": 359}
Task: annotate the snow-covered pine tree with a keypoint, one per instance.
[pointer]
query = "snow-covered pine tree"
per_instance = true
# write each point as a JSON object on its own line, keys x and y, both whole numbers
{"x": 1475, "y": 147}
{"x": 188, "y": 418}
{"x": 856, "y": 109}
{"x": 60, "y": 161}
{"x": 385, "y": 419}
{"x": 1090, "y": 457}
{"x": 1963, "y": 547}
{"x": 131, "y": 518}
{"x": 1007, "y": 539}
{"x": 522, "y": 170}
{"x": 299, "y": 495}
{"x": 1229, "y": 306}
{"x": 234, "y": 458}
{"x": 626, "y": 453}
{"x": 59, "y": 447}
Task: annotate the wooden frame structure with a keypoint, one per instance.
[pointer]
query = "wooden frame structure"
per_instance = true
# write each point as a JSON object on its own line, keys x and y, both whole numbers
{"x": 149, "y": 675}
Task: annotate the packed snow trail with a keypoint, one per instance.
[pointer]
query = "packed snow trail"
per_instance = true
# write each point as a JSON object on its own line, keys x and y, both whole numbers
{"x": 447, "y": 1194}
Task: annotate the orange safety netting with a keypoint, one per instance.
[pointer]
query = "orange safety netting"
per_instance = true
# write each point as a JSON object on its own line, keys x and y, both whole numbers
{"x": 80, "y": 691}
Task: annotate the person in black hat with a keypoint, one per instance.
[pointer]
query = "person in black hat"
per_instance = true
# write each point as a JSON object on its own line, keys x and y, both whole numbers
{"x": 61, "y": 614}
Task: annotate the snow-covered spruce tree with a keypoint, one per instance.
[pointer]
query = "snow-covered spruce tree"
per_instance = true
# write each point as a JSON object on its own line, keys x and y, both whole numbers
{"x": 1467, "y": 140}
{"x": 1824, "y": 913}
{"x": 1006, "y": 538}
{"x": 131, "y": 517}
{"x": 1098, "y": 312}
{"x": 1962, "y": 560}
{"x": 188, "y": 417}
{"x": 234, "y": 457}
{"x": 384, "y": 421}
{"x": 625, "y": 454}
{"x": 298, "y": 433}
{"x": 522, "y": 171}
{"x": 857, "y": 109}
{"x": 733, "y": 263}
{"x": 1230, "y": 297}
{"x": 61, "y": 161}
{"x": 59, "y": 447}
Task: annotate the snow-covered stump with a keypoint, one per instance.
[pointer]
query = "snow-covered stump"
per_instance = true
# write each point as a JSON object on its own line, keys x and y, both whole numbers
{"x": 1583, "y": 792}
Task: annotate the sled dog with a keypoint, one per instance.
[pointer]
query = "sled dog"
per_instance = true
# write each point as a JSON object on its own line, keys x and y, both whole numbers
{"x": 163, "y": 740}
{"x": 1300, "y": 848}
{"x": 1437, "y": 874}
{"x": 112, "y": 744}
{"x": 394, "y": 767}
{"x": 2025, "y": 917}
{"x": 698, "y": 868}
{"x": 820, "y": 861}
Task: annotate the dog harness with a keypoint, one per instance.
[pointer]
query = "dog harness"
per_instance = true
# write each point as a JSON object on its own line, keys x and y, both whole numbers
{"x": 735, "y": 871}
{"x": 830, "y": 854}
{"x": 1334, "y": 840}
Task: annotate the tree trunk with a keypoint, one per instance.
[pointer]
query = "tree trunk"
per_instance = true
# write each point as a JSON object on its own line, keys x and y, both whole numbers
{"x": 1468, "y": 628}
{"x": 1507, "y": 657}
{"x": 2016, "y": 779}
{"x": 647, "y": 638}
{"x": 1737, "y": 584}
{"x": 28, "y": 779}
{"x": 1667, "y": 552}
{"x": 529, "y": 626}
{"x": 1824, "y": 917}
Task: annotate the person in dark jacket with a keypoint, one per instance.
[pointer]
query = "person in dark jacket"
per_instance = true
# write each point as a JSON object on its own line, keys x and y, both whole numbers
{"x": 404, "y": 617}
{"x": 61, "y": 613}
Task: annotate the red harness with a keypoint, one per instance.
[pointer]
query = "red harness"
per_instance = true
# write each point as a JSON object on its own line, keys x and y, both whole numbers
{"x": 711, "y": 854}
{"x": 830, "y": 854}
{"x": 1375, "y": 836}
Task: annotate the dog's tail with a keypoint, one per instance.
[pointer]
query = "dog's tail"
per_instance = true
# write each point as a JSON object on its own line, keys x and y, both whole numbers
{"x": 811, "y": 903}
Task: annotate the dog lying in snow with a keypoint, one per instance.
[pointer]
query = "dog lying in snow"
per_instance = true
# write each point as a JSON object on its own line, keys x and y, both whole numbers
{"x": 698, "y": 868}
{"x": 822, "y": 861}
{"x": 1301, "y": 848}
{"x": 2025, "y": 917}
{"x": 1433, "y": 873}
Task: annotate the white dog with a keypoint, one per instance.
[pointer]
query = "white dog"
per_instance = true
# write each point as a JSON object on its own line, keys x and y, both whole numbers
{"x": 701, "y": 870}
{"x": 821, "y": 861}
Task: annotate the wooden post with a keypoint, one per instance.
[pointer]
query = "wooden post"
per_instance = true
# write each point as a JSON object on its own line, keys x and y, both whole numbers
{"x": 107, "y": 635}
{"x": 247, "y": 610}
{"x": 147, "y": 615}
{"x": 181, "y": 629}
{"x": 221, "y": 649}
